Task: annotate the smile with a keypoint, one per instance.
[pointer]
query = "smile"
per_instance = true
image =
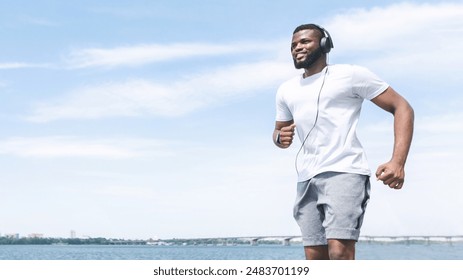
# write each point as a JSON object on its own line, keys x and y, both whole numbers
{"x": 300, "y": 55}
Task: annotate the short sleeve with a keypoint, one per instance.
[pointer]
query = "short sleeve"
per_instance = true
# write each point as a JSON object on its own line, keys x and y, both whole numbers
{"x": 283, "y": 113}
{"x": 366, "y": 84}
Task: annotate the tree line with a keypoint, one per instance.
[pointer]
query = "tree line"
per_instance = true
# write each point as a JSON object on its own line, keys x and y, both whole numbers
{"x": 51, "y": 241}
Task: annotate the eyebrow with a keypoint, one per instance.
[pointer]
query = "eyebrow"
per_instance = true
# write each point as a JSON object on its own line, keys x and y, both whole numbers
{"x": 303, "y": 40}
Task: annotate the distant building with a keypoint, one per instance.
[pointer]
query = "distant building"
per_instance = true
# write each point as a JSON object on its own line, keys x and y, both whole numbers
{"x": 73, "y": 234}
{"x": 35, "y": 235}
{"x": 12, "y": 235}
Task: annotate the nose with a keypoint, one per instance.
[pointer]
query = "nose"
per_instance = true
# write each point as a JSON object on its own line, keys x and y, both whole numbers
{"x": 297, "y": 47}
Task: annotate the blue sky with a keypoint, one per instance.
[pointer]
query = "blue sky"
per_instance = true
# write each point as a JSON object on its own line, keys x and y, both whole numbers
{"x": 141, "y": 119}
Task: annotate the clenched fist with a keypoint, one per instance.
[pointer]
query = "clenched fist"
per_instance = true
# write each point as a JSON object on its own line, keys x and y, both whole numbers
{"x": 285, "y": 136}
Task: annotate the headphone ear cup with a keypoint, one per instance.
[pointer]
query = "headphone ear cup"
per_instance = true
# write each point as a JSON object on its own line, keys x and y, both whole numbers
{"x": 325, "y": 44}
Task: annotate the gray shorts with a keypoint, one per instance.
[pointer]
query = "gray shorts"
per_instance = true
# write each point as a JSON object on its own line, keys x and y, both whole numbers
{"x": 331, "y": 205}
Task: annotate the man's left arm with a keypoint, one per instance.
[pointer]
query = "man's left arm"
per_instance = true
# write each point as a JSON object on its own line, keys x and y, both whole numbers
{"x": 392, "y": 173}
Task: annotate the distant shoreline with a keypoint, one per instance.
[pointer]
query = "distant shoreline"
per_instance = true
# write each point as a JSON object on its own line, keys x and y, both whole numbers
{"x": 235, "y": 241}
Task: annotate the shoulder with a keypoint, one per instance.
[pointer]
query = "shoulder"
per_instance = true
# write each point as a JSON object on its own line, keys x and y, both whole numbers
{"x": 356, "y": 72}
{"x": 348, "y": 69}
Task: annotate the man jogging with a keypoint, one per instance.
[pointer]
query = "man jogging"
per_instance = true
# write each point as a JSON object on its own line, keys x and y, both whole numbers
{"x": 323, "y": 105}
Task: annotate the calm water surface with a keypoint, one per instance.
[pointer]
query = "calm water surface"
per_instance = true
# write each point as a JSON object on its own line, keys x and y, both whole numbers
{"x": 365, "y": 251}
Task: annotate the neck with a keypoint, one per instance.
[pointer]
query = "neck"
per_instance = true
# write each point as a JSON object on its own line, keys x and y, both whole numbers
{"x": 315, "y": 68}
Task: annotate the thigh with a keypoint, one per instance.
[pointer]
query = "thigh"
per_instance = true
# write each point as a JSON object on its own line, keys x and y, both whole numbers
{"x": 344, "y": 197}
{"x": 308, "y": 216}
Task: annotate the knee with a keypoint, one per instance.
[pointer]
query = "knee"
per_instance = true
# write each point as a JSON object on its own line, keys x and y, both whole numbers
{"x": 340, "y": 254}
{"x": 316, "y": 252}
{"x": 341, "y": 250}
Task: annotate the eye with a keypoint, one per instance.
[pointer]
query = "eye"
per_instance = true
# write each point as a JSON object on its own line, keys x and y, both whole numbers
{"x": 305, "y": 41}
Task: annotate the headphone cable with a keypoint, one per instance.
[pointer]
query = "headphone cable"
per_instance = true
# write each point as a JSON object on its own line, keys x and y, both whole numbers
{"x": 315, "y": 122}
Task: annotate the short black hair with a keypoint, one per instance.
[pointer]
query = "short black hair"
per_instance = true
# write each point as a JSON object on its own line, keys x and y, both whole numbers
{"x": 310, "y": 26}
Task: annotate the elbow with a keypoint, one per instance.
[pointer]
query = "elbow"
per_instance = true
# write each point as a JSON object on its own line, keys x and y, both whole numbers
{"x": 410, "y": 111}
{"x": 404, "y": 109}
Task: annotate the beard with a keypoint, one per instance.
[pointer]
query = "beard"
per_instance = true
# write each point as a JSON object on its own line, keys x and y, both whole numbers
{"x": 309, "y": 60}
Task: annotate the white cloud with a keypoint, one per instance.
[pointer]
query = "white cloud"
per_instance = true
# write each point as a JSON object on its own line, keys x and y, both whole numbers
{"x": 411, "y": 45}
{"x": 416, "y": 40}
{"x": 137, "y": 97}
{"x": 152, "y": 53}
{"x": 65, "y": 147}
{"x": 19, "y": 65}
{"x": 451, "y": 122}
{"x": 398, "y": 26}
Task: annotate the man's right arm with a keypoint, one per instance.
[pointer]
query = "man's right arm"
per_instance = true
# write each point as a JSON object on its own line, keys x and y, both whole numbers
{"x": 284, "y": 133}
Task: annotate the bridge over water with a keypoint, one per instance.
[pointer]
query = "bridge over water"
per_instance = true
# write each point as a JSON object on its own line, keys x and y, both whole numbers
{"x": 428, "y": 239}
{"x": 286, "y": 239}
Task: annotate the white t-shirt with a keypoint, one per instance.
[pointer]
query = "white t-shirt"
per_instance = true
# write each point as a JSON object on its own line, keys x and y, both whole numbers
{"x": 332, "y": 145}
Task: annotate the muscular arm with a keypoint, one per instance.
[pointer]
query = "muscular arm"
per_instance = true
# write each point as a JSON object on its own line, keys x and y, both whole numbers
{"x": 286, "y": 131}
{"x": 392, "y": 173}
